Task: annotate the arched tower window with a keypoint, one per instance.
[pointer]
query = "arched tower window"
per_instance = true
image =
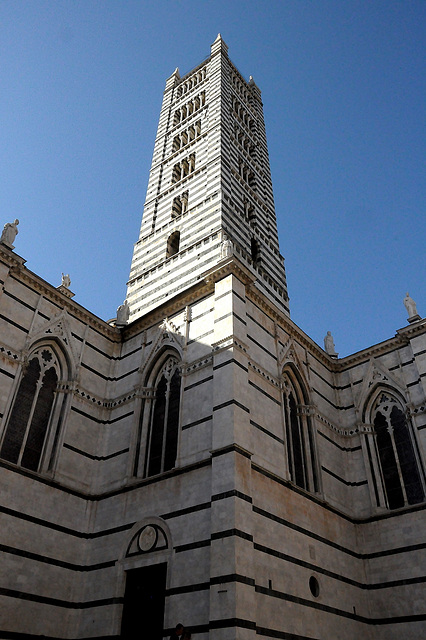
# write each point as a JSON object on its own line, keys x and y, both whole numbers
{"x": 161, "y": 449}
{"x": 397, "y": 453}
{"x": 26, "y": 436}
{"x": 299, "y": 438}
{"x": 254, "y": 250}
{"x": 173, "y": 243}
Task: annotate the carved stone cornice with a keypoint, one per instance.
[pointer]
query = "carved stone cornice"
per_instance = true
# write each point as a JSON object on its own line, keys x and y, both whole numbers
{"x": 284, "y": 323}
{"x": 229, "y": 266}
{"x": 12, "y": 259}
{"x": 407, "y": 333}
{"x": 21, "y": 273}
{"x": 402, "y": 338}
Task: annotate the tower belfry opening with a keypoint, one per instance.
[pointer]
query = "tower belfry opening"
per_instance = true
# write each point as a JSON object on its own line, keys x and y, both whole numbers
{"x": 209, "y": 177}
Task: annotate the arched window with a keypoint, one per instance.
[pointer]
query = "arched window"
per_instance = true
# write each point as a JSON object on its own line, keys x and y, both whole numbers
{"x": 173, "y": 243}
{"x": 299, "y": 438}
{"x": 26, "y": 437}
{"x": 397, "y": 453}
{"x": 161, "y": 449}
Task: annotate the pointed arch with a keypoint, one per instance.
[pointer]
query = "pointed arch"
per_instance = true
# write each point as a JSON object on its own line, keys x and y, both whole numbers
{"x": 32, "y": 426}
{"x": 394, "y": 455}
{"x": 298, "y": 430}
{"x": 157, "y": 448}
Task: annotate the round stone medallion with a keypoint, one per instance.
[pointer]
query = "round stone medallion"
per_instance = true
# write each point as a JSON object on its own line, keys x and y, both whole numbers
{"x": 147, "y": 538}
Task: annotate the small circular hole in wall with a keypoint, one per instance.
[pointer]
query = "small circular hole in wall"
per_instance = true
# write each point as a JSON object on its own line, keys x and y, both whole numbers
{"x": 314, "y": 586}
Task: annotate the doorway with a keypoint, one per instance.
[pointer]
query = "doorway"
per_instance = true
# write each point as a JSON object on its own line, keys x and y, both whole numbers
{"x": 144, "y": 597}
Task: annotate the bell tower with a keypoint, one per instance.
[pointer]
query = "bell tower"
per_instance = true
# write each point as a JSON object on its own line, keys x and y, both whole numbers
{"x": 209, "y": 191}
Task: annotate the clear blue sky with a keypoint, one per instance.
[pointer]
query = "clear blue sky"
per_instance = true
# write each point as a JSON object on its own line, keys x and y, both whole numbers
{"x": 343, "y": 87}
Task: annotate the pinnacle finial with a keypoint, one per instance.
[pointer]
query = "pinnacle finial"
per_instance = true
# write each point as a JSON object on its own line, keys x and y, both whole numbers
{"x": 174, "y": 78}
{"x": 219, "y": 45}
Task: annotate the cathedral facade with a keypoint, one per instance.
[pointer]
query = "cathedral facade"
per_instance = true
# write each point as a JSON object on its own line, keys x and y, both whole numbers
{"x": 200, "y": 459}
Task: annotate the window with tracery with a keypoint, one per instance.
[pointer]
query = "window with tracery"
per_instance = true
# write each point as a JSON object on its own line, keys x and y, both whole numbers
{"x": 397, "y": 454}
{"x": 27, "y": 428}
{"x": 162, "y": 442}
{"x": 300, "y": 445}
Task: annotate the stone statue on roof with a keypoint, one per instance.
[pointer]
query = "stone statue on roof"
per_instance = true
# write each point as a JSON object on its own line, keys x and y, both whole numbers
{"x": 411, "y": 307}
{"x": 10, "y": 231}
{"x": 123, "y": 313}
{"x": 66, "y": 280}
{"x": 329, "y": 345}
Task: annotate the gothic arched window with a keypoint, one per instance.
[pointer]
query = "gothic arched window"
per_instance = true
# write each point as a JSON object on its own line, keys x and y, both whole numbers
{"x": 300, "y": 445}
{"x": 27, "y": 431}
{"x": 397, "y": 454}
{"x": 162, "y": 442}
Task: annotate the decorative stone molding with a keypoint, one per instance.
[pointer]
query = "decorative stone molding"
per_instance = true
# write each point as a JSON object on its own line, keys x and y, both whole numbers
{"x": 10, "y": 355}
{"x": 416, "y": 410}
{"x": 104, "y": 403}
{"x": 227, "y": 267}
{"x": 365, "y": 428}
{"x": 305, "y": 409}
{"x": 167, "y": 326}
{"x": 227, "y": 343}
{"x": 347, "y": 433}
{"x": 14, "y": 261}
{"x": 196, "y": 365}
{"x": 287, "y": 353}
{"x": 57, "y": 328}
{"x": 65, "y": 291}
{"x": 266, "y": 376}
{"x": 285, "y": 324}
{"x": 66, "y": 386}
{"x": 146, "y": 393}
{"x": 52, "y": 294}
{"x": 149, "y": 538}
{"x": 120, "y": 400}
{"x": 375, "y": 377}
